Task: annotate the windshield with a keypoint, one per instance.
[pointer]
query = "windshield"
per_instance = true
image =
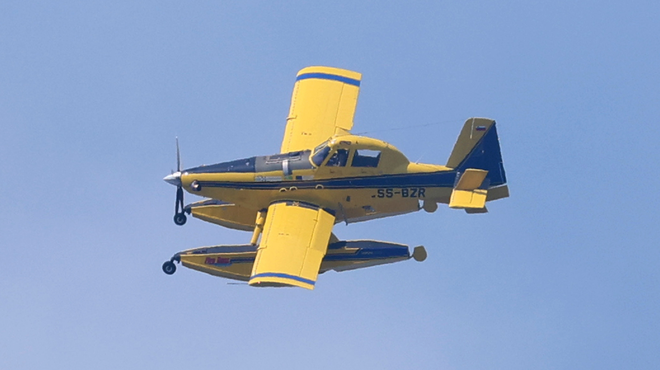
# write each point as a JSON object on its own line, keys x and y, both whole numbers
{"x": 320, "y": 146}
{"x": 320, "y": 153}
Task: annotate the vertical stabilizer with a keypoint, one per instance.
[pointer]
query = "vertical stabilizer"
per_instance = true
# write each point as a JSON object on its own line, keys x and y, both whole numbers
{"x": 478, "y": 147}
{"x": 477, "y": 160}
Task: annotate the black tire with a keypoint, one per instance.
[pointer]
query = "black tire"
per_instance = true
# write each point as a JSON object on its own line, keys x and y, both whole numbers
{"x": 169, "y": 267}
{"x": 180, "y": 219}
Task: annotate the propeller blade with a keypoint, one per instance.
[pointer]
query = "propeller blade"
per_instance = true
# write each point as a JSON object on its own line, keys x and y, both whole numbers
{"x": 175, "y": 179}
{"x": 178, "y": 156}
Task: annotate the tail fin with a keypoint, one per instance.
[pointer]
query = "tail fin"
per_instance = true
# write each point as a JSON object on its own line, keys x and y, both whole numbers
{"x": 477, "y": 148}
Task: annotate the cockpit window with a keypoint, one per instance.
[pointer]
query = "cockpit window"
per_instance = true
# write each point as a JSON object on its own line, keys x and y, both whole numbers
{"x": 320, "y": 153}
{"x": 338, "y": 159}
{"x": 366, "y": 158}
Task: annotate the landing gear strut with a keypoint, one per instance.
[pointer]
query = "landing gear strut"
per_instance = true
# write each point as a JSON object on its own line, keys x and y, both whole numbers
{"x": 179, "y": 215}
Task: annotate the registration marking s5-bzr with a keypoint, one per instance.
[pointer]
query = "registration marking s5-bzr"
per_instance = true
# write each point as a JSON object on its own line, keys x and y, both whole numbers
{"x": 400, "y": 193}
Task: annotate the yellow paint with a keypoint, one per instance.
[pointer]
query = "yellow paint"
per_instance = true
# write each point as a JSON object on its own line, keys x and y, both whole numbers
{"x": 466, "y": 193}
{"x": 294, "y": 242}
{"x": 258, "y": 227}
{"x": 471, "y": 179}
{"x": 468, "y": 198}
{"x": 227, "y": 215}
{"x": 467, "y": 139}
{"x": 320, "y": 108}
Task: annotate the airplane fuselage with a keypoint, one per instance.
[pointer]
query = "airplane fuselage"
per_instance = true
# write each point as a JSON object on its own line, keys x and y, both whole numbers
{"x": 354, "y": 188}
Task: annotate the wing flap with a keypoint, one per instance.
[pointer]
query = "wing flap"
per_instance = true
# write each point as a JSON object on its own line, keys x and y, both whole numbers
{"x": 294, "y": 242}
{"x": 322, "y": 105}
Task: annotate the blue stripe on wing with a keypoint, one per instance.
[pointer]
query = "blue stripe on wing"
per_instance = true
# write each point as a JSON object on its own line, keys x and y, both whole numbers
{"x": 283, "y": 276}
{"x": 327, "y": 76}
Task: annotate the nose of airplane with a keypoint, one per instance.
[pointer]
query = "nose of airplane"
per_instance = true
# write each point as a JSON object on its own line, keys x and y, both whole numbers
{"x": 174, "y": 179}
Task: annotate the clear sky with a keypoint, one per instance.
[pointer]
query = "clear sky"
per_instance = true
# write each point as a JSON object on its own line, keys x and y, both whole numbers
{"x": 564, "y": 274}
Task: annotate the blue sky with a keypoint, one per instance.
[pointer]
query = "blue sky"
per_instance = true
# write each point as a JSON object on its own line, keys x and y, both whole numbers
{"x": 563, "y": 274}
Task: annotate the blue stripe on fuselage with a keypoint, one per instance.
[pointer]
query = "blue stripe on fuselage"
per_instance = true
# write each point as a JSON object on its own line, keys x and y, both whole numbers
{"x": 327, "y": 76}
{"x": 433, "y": 179}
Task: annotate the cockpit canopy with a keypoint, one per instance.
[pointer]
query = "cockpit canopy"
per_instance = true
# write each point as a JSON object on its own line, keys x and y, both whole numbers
{"x": 356, "y": 151}
{"x": 347, "y": 151}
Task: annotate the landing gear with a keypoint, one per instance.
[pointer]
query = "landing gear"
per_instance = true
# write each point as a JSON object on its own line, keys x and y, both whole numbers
{"x": 180, "y": 218}
{"x": 179, "y": 215}
{"x": 169, "y": 267}
{"x": 430, "y": 207}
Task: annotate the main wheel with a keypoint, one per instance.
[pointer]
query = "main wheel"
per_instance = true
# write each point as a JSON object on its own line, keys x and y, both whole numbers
{"x": 180, "y": 218}
{"x": 169, "y": 267}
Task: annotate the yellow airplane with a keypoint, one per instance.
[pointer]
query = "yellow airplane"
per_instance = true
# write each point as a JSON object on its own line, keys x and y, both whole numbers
{"x": 325, "y": 175}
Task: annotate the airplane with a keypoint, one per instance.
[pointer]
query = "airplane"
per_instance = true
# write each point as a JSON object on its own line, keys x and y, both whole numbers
{"x": 324, "y": 175}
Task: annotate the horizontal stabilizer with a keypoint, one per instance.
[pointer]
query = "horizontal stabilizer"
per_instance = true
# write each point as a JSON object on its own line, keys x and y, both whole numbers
{"x": 468, "y": 198}
{"x": 466, "y": 192}
{"x": 471, "y": 179}
{"x": 498, "y": 193}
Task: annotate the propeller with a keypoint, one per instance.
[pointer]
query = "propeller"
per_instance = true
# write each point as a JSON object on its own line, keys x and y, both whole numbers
{"x": 175, "y": 179}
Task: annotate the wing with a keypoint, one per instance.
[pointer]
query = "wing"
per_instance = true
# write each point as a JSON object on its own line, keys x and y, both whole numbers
{"x": 323, "y": 104}
{"x": 293, "y": 244}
